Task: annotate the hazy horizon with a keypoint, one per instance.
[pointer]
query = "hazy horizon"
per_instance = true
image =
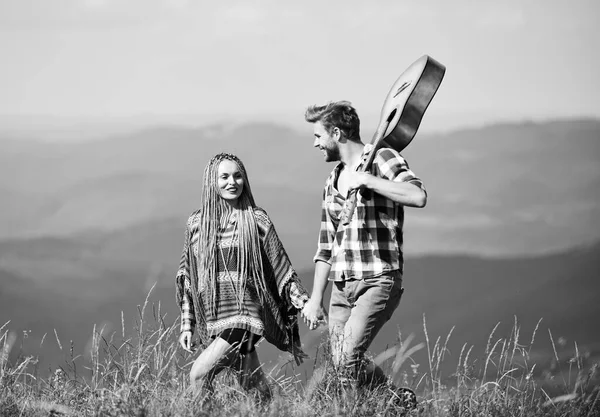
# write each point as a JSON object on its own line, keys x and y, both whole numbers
{"x": 72, "y": 129}
{"x": 132, "y": 62}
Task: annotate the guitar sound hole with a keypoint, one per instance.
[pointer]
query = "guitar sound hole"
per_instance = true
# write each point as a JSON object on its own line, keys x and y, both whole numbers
{"x": 391, "y": 116}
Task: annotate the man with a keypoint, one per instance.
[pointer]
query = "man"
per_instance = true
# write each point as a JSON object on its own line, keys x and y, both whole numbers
{"x": 364, "y": 258}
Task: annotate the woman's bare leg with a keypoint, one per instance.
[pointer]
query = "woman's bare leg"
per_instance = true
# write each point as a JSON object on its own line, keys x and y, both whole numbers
{"x": 216, "y": 357}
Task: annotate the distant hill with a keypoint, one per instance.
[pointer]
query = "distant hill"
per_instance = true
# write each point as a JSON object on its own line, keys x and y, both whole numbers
{"x": 509, "y": 189}
{"x": 533, "y": 186}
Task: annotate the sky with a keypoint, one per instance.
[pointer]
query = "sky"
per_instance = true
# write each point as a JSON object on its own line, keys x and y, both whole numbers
{"x": 184, "y": 61}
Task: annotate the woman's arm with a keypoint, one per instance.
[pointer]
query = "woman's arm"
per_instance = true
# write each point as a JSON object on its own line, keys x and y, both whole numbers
{"x": 187, "y": 323}
{"x": 186, "y": 305}
{"x": 296, "y": 293}
{"x": 289, "y": 286}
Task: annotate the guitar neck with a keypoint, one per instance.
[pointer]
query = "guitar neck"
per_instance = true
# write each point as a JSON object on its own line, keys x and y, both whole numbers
{"x": 376, "y": 143}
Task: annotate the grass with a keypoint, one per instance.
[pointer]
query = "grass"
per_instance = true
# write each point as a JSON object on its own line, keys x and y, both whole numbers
{"x": 145, "y": 373}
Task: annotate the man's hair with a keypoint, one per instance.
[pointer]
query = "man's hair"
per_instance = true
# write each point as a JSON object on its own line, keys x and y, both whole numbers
{"x": 338, "y": 114}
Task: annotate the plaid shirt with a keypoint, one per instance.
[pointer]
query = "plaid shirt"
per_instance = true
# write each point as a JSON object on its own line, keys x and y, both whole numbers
{"x": 371, "y": 244}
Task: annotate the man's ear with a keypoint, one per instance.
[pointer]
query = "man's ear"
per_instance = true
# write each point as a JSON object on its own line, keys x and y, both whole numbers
{"x": 336, "y": 134}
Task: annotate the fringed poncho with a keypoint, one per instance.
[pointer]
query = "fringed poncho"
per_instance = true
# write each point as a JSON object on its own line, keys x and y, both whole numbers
{"x": 275, "y": 319}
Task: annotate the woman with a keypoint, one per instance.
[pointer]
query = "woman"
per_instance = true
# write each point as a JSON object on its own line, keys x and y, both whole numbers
{"x": 235, "y": 282}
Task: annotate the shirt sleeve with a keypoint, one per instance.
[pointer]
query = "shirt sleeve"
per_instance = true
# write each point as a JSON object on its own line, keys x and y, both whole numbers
{"x": 296, "y": 294}
{"x": 326, "y": 232}
{"x": 184, "y": 261}
{"x": 183, "y": 285}
{"x": 188, "y": 320}
{"x": 389, "y": 164}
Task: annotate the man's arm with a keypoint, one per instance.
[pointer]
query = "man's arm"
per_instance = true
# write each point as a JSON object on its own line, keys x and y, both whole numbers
{"x": 405, "y": 193}
{"x": 313, "y": 310}
{"x": 392, "y": 178}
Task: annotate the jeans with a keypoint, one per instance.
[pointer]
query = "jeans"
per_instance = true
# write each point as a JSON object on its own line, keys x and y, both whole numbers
{"x": 357, "y": 311}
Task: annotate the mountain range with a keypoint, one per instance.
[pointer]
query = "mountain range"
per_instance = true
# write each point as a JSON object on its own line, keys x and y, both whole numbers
{"x": 510, "y": 189}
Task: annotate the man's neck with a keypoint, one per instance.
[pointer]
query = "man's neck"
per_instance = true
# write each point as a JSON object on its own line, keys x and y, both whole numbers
{"x": 351, "y": 153}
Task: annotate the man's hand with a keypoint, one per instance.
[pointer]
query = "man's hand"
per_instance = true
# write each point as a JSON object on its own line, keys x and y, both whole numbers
{"x": 314, "y": 314}
{"x": 358, "y": 180}
{"x": 185, "y": 340}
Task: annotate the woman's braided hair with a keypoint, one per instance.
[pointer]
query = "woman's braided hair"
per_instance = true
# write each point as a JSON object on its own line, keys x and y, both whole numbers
{"x": 214, "y": 213}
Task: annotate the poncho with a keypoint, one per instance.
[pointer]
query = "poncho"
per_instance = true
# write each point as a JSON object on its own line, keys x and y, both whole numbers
{"x": 275, "y": 319}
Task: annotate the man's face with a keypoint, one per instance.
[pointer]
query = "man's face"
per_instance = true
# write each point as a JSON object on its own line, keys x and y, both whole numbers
{"x": 327, "y": 143}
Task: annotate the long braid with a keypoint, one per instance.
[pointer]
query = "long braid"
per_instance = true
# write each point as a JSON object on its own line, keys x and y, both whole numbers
{"x": 211, "y": 210}
{"x": 214, "y": 212}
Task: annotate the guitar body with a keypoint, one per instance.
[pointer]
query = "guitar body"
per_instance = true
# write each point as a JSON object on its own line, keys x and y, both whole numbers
{"x": 401, "y": 114}
{"x": 407, "y": 101}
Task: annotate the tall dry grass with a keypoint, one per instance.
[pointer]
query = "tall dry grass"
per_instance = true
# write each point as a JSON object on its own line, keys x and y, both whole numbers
{"x": 142, "y": 372}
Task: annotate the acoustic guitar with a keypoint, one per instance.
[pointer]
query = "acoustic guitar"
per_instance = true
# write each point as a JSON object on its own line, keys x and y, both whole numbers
{"x": 401, "y": 115}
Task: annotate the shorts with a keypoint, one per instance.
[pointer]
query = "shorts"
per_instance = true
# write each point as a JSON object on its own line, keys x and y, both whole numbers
{"x": 240, "y": 338}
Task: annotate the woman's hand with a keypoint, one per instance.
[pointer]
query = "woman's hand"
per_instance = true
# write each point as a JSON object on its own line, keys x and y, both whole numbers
{"x": 185, "y": 340}
{"x": 314, "y": 314}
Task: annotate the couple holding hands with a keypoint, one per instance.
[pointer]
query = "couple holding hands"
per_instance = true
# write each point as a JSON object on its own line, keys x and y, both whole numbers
{"x": 236, "y": 284}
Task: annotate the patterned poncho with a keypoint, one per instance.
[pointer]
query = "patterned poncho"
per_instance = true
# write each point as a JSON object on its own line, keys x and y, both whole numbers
{"x": 275, "y": 319}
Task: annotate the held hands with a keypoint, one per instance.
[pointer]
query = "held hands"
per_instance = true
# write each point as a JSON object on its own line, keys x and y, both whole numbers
{"x": 185, "y": 340}
{"x": 314, "y": 314}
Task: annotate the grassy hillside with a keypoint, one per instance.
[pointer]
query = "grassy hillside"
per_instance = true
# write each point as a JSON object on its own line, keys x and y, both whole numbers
{"x": 134, "y": 366}
{"x": 468, "y": 293}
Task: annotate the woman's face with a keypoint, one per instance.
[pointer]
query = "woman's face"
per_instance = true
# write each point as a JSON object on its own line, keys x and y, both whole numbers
{"x": 230, "y": 180}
